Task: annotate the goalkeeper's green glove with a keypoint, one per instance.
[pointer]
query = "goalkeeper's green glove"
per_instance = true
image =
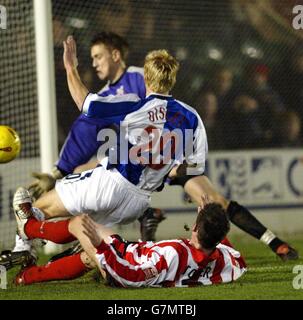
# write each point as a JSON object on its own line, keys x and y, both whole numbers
{"x": 44, "y": 183}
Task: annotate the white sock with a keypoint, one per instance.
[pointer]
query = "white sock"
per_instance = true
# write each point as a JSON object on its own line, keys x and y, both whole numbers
{"x": 38, "y": 214}
{"x": 268, "y": 237}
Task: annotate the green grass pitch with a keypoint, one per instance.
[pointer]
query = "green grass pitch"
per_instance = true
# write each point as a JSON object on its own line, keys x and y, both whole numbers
{"x": 267, "y": 278}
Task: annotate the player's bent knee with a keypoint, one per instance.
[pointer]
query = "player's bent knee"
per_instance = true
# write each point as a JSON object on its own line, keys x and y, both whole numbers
{"x": 87, "y": 261}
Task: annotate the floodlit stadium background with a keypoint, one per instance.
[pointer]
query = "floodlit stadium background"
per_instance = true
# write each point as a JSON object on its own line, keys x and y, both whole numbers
{"x": 241, "y": 68}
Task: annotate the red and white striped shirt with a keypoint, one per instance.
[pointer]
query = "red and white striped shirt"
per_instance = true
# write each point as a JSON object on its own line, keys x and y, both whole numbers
{"x": 168, "y": 263}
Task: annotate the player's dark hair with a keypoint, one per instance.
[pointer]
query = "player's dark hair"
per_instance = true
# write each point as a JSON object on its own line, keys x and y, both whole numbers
{"x": 212, "y": 225}
{"x": 112, "y": 41}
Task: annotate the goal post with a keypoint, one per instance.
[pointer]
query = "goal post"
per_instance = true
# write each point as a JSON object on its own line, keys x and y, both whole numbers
{"x": 46, "y": 91}
{"x": 27, "y": 99}
{"x": 46, "y": 84}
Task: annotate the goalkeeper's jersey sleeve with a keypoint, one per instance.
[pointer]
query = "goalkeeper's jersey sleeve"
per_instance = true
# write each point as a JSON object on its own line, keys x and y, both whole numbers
{"x": 81, "y": 143}
{"x": 168, "y": 263}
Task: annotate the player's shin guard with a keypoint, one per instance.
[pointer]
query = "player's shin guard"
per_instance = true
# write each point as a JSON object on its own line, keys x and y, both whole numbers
{"x": 67, "y": 268}
{"x": 54, "y": 231}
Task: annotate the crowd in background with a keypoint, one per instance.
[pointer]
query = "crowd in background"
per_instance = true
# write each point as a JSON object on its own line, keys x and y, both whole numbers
{"x": 256, "y": 111}
{"x": 244, "y": 80}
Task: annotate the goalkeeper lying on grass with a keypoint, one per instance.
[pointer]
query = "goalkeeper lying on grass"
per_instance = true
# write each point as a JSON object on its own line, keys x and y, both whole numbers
{"x": 206, "y": 258}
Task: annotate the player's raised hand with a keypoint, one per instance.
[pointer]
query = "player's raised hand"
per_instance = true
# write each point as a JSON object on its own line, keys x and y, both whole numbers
{"x": 70, "y": 54}
{"x": 205, "y": 199}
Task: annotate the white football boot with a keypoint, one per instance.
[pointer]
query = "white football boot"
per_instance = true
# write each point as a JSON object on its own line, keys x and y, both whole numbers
{"x": 22, "y": 204}
{"x": 22, "y": 245}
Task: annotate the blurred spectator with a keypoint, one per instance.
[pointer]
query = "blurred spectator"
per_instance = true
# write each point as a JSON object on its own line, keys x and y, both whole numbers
{"x": 288, "y": 130}
{"x": 115, "y": 16}
{"x": 66, "y": 114}
{"x": 269, "y": 101}
{"x": 290, "y": 82}
{"x": 142, "y": 36}
{"x": 243, "y": 127}
{"x": 259, "y": 87}
{"x": 222, "y": 85}
{"x": 207, "y": 107}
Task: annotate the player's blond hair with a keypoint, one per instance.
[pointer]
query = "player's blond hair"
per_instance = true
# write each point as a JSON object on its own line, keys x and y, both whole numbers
{"x": 160, "y": 71}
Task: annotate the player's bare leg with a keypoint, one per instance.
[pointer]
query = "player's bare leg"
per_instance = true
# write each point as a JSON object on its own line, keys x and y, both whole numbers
{"x": 51, "y": 205}
{"x": 90, "y": 235}
{"x": 200, "y": 186}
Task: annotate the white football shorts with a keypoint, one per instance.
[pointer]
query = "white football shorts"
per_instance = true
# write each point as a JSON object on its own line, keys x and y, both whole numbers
{"x": 104, "y": 194}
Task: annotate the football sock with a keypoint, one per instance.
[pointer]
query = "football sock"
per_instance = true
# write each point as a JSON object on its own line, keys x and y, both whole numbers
{"x": 38, "y": 214}
{"x": 243, "y": 219}
{"x": 67, "y": 268}
{"x": 49, "y": 230}
{"x": 271, "y": 240}
{"x": 275, "y": 243}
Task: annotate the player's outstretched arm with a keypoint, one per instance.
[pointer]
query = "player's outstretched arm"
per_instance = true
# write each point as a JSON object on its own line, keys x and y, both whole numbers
{"x": 90, "y": 234}
{"x": 76, "y": 87}
{"x": 96, "y": 232}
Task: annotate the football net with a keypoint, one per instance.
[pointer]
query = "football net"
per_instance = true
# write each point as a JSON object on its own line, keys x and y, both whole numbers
{"x": 18, "y": 106}
{"x": 215, "y": 41}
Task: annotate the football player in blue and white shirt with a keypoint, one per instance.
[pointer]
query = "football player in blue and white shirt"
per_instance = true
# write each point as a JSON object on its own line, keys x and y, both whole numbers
{"x": 121, "y": 192}
{"x": 197, "y": 186}
{"x": 108, "y": 53}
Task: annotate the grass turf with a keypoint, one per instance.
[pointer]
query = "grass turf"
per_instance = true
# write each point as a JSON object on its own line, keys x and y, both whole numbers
{"x": 267, "y": 278}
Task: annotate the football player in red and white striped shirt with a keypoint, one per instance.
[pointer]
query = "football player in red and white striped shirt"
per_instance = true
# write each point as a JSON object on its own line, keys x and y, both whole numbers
{"x": 200, "y": 260}
{"x": 207, "y": 258}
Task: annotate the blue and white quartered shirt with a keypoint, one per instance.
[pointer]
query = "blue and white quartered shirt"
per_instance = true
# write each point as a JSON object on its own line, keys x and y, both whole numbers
{"x": 142, "y": 127}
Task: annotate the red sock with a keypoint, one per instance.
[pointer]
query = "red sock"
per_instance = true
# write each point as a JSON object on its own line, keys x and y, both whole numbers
{"x": 66, "y": 268}
{"x": 48, "y": 230}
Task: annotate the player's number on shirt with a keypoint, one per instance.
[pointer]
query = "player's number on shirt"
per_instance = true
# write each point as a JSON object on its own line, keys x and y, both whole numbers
{"x": 79, "y": 176}
{"x": 168, "y": 139}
